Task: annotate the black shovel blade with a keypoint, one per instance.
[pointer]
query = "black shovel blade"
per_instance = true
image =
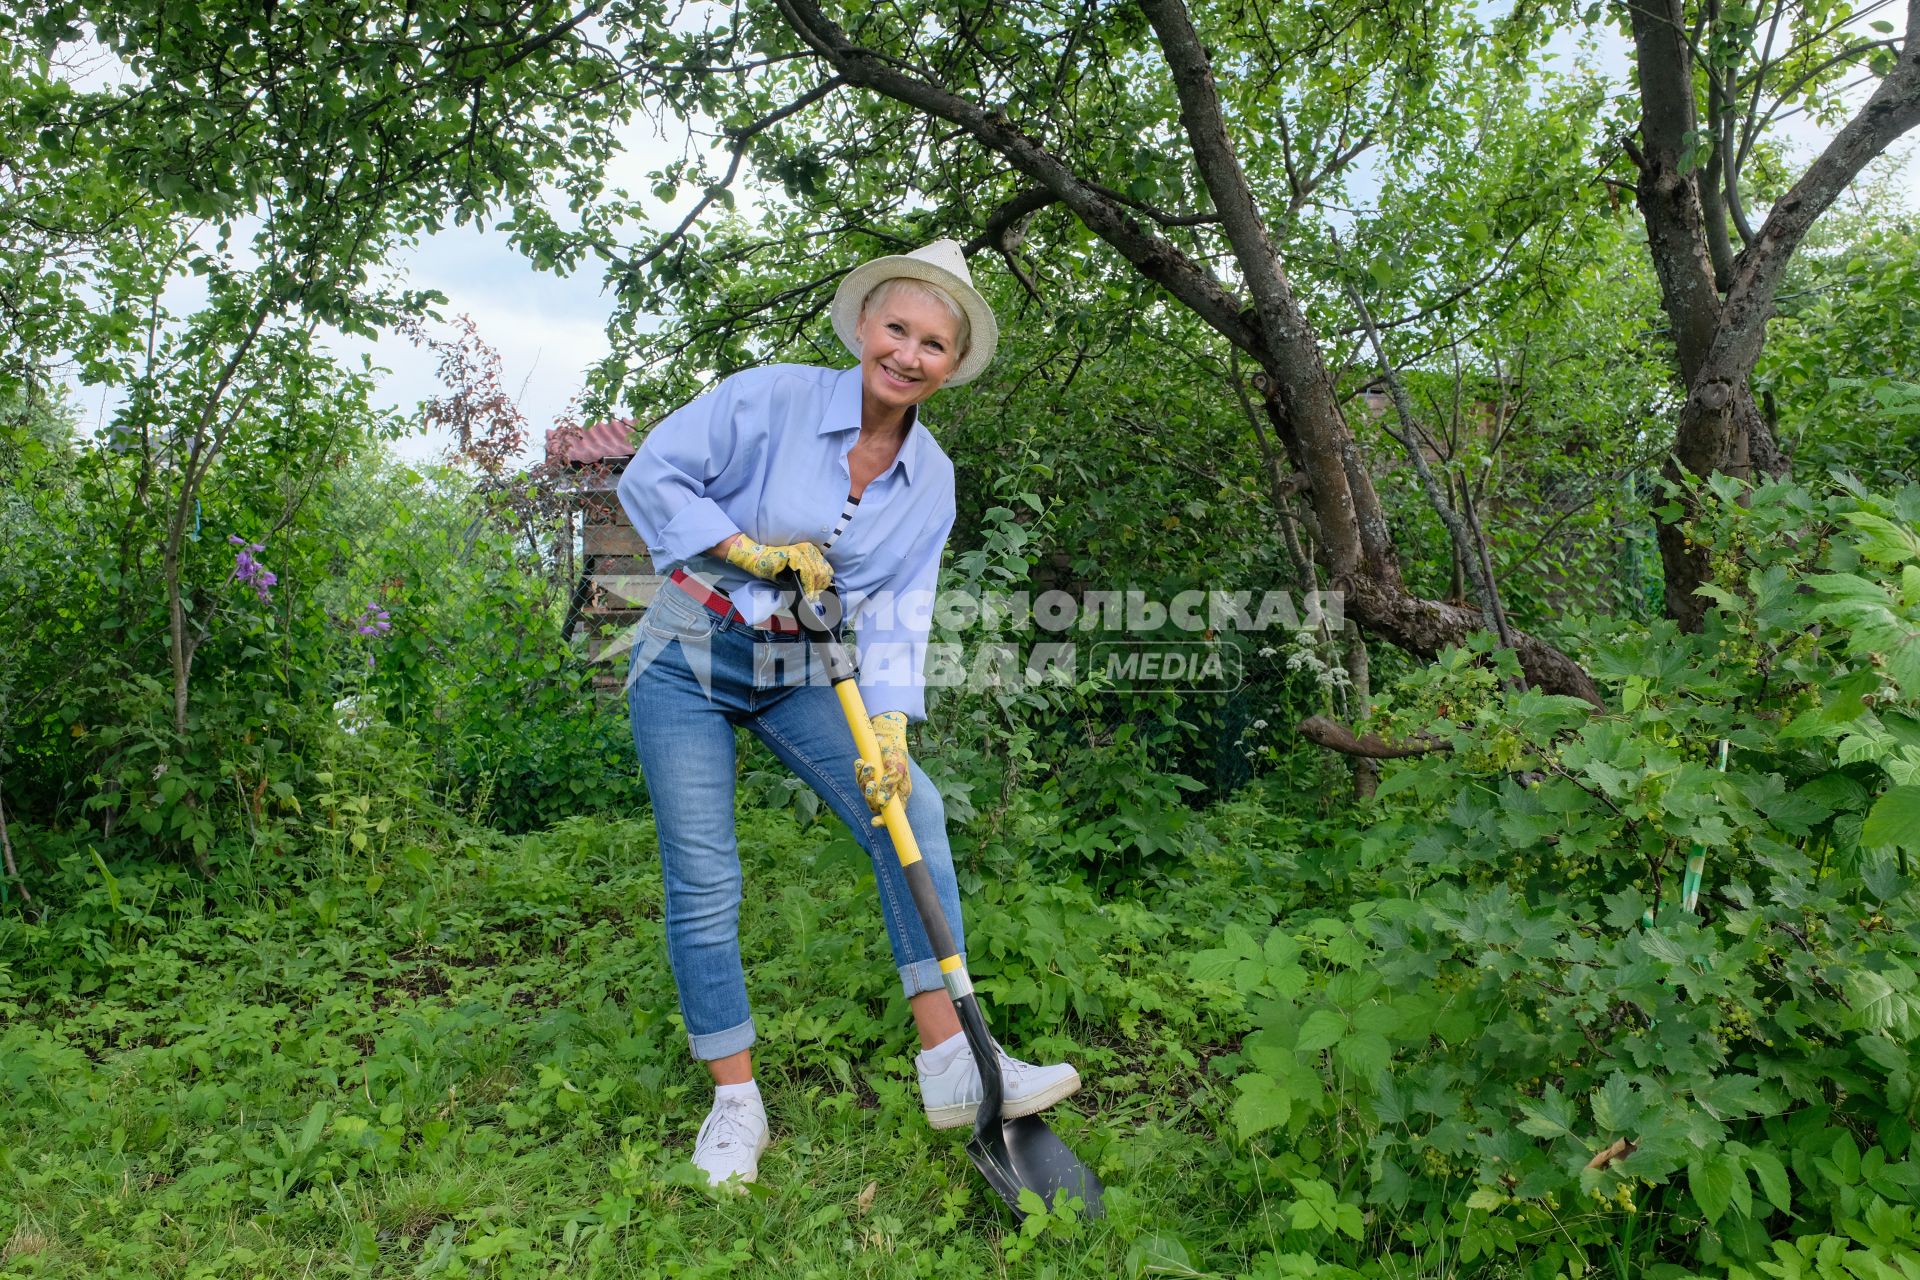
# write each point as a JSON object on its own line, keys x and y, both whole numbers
{"x": 1026, "y": 1154}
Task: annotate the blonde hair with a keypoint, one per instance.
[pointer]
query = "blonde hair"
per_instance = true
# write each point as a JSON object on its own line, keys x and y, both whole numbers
{"x": 880, "y": 293}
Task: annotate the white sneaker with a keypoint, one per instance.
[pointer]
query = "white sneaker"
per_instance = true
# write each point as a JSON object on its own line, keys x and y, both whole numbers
{"x": 731, "y": 1140}
{"x": 952, "y": 1094}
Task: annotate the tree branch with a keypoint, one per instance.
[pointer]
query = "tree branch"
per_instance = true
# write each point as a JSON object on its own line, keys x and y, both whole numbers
{"x": 1711, "y": 170}
{"x": 1893, "y": 109}
{"x": 6, "y": 857}
{"x": 1463, "y": 542}
{"x": 741, "y": 138}
{"x": 1205, "y": 125}
{"x": 1325, "y": 732}
{"x": 1280, "y": 487}
{"x": 1353, "y": 527}
{"x": 1668, "y": 195}
{"x": 1159, "y": 215}
{"x": 1009, "y": 217}
{"x": 1156, "y": 258}
{"x": 1730, "y": 182}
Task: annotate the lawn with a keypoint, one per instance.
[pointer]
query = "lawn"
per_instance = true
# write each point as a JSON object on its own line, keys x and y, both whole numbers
{"x": 463, "y": 1057}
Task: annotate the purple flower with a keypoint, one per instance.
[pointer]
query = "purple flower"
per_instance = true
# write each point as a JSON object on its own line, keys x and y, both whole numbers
{"x": 374, "y": 621}
{"x": 250, "y": 571}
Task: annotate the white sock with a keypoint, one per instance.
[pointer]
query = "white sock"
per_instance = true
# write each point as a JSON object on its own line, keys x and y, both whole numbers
{"x": 941, "y": 1056}
{"x": 748, "y": 1093}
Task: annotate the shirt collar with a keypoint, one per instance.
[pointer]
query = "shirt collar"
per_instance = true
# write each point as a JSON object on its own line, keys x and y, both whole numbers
{"x": 843, "y": 414}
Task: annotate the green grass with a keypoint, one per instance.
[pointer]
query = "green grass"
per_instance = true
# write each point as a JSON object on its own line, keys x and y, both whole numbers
{"x": 466, "y": 1059}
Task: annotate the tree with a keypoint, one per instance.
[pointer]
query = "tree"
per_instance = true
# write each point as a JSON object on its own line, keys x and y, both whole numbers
{"x": 1191, "y": 143}
{"x": 1184, "y": 162}
{"x": 1745, "y": 66}
{"x": 274, "y": 155}
{"x": 1068, "y": 123}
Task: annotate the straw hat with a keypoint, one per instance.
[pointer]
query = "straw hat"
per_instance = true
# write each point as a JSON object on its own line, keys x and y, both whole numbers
{"x": 940, "y": 263}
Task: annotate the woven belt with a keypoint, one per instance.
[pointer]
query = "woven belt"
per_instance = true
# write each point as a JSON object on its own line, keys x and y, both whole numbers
{"x": 719, "y": 604}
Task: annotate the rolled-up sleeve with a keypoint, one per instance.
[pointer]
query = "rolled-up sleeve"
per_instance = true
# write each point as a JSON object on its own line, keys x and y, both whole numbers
{"x": 664, "y": 489}
{"x": 891, "y": 627}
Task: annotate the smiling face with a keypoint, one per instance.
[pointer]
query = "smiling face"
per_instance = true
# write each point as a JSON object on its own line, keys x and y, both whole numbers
{"x": 910, "y": 344}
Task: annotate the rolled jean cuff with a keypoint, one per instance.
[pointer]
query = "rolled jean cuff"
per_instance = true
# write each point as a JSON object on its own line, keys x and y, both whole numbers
{"x": 923, "y": 976}
{"x": 723, "y": 1044}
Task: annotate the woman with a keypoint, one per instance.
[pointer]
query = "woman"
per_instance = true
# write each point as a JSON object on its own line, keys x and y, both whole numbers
{"x": 828, "y": 473}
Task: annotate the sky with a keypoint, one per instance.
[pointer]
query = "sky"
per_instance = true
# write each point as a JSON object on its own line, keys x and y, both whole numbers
{"x": 549, "y": 329}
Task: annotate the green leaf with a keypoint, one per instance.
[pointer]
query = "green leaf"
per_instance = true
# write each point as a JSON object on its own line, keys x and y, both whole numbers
{"x": 1159, "y": 1255}
{"x": 1885, "y": 542}
{"x": 1741, "y": 1188}
{"x": 1263, "y": 1104}
{"x": 1215, "y": 965}
{"x": 1551, "y": 1117}
{"x": 1773, "y": 1179}
{"x": 1846, "y": 1157}
{"x": 1281, "y": 948}
{"x": 1323, "y": 1027}
{"x": 1895, "y": 819}
{"x": 1377, "y": 1017}
{"x": 1365, "y": 1053}
{"x": 1397, "y": 781}
{"x": 1615, "y": 1107}
{"x": 1711, "y": 1182}
{"x": 315, "y": 1125}
{"x": 1886, "y": 1053}
{"x": 1877, "y": 1004}
{"x": 1729, "y": 1095}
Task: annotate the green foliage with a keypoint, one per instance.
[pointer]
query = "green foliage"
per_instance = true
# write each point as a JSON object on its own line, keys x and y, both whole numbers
{"x": 457, "y": 1055}
{"x": 475, "y": 665}
{"x": 1513, "y": 986}
{"x": 96, "y": 728}
{"x": 1841, "y": 367}
{"x": 1336, "y": 1048}
{"x": 344, "y": 951}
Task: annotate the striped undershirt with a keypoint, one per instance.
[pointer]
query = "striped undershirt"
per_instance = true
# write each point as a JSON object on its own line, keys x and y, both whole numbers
{"x": 840, "y": 525}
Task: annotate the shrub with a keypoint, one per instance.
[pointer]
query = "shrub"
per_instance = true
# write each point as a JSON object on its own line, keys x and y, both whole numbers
{"x": 1520, "y": 996}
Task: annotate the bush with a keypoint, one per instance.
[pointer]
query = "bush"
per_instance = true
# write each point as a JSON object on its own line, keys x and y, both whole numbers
{"x": 1519, "y": 997}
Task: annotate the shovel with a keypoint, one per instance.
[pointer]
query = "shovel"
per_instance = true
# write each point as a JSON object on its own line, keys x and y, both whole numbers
{"x": 1013, "y": 1155}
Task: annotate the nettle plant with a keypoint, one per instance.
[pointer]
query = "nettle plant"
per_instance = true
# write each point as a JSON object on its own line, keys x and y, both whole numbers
{"x": 1522, "y": 1000}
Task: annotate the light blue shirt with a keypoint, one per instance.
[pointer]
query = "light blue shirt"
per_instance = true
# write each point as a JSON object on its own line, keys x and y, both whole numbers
{"x": 765, "y": 454}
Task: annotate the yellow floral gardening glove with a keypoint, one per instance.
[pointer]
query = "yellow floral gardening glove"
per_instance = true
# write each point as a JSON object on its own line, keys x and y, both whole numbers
{"x": 891, "y": 778}
{"x": 763, "y": 561}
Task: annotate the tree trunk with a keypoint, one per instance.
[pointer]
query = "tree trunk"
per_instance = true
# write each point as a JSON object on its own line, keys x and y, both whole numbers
{"x": 7, "y": 865}
{"x": 1366, "y": 770}
{"x": 1354, "y": 542}
{"x": 1719, "y": 319}
{"x": 1721, "y": 429}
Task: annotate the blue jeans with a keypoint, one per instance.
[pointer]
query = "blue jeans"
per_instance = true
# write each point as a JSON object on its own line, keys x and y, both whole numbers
{"x": 696, "y": 677}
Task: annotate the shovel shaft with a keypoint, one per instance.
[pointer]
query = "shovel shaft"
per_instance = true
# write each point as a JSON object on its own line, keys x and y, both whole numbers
{"x": 840, "y": 670}
{"x": 953, "y": 970}
{"x": 1015, "y": 1156}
